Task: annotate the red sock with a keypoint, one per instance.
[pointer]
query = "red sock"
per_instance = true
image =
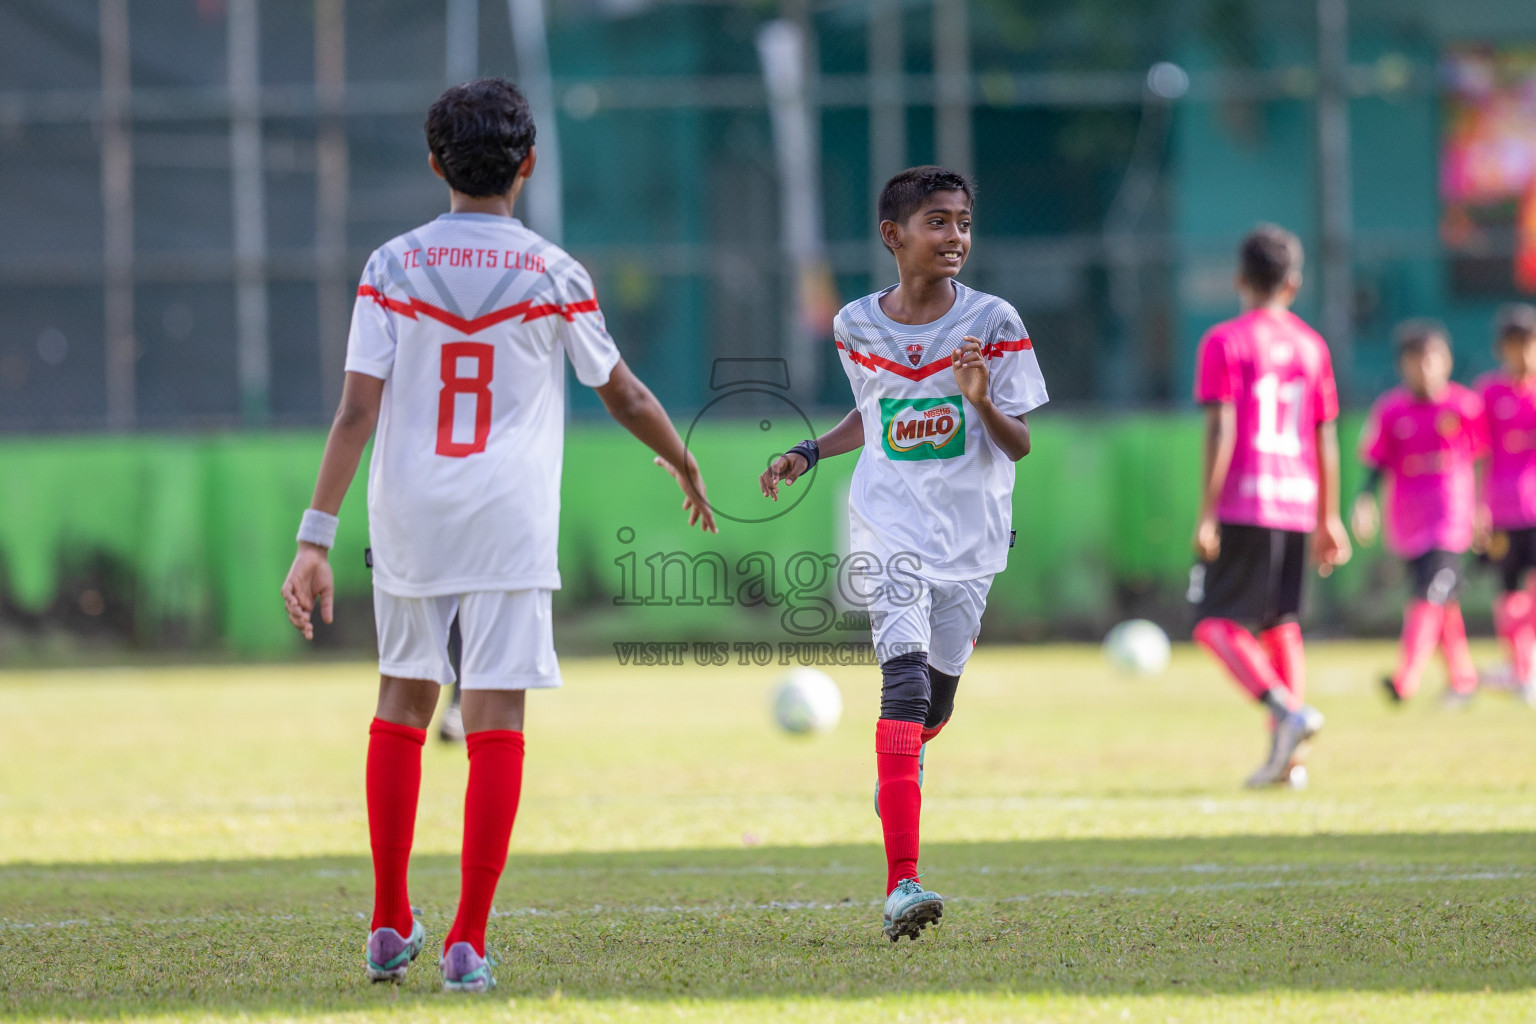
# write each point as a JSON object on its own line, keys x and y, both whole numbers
{"x": 901, "y": 798}
{"x": 490, "y": 806}
{"x": 1512, "y": 620}
{"x": 1422, "y": 624}
{"x": 1243, "y": 656}
{"x": 394, "y": 784}
{"x": 1458, "y": 656}
{"x": 1283, "y": 645}
{"x": 928, "y": 734}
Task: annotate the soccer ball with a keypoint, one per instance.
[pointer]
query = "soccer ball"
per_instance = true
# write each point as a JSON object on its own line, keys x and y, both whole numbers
{"x": 1137, "y": 647}
{"x": 807, "y": 700}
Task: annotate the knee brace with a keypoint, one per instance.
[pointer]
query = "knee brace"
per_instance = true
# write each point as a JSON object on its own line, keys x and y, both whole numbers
{"x": 904, "y": 688}
{"x": 941, "y": 697}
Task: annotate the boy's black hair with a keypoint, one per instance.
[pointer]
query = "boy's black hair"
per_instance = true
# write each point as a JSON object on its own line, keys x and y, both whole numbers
{"x": 480, "y": 132}
{"x": 1268, "y": 256}
{"x": 1414, "y": 336}
{"x": 904, "y": 193}
{"x": 1515, "y": 322}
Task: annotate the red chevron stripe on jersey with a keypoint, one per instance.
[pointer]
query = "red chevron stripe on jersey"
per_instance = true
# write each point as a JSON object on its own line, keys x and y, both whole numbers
{"x": 525, "y": 309}
{"x": 870, "y": 361}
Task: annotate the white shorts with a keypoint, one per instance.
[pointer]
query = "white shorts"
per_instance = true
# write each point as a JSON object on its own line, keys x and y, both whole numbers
{"x": 508, "y": 638}
{"x": 942, "y": 617}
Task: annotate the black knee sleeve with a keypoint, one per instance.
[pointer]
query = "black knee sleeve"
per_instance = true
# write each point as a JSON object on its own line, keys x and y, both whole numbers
{"x": 904, "y": 688}
{"x": 941, "y": 697}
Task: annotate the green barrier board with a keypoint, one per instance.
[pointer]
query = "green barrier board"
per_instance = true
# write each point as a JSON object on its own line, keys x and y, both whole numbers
{"x": 203, "y": 531}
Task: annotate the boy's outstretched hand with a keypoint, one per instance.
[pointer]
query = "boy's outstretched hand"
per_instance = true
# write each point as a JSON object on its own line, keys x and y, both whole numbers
{"x": 309, "y": 580}
{"x": 785, "y": 469}
{"x": 694, "y": 501}
{"x": 971, "y": 370}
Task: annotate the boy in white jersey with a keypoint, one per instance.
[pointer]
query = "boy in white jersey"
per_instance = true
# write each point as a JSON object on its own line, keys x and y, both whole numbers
{"x": 457, "y": 352}
{"x": 942, "y": 377}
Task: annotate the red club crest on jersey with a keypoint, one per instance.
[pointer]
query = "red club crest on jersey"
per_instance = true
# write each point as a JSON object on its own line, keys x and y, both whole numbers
{"x": 914, "y": 354}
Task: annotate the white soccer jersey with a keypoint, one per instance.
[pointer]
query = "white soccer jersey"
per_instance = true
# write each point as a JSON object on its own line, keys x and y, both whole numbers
{"x": 468, "y": 320}
{"x": 931, "y": 485}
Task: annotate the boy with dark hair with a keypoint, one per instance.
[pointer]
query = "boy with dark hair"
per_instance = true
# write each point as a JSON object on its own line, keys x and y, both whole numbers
{"x": 1509, "y": 499}
{"x": 1425, "y": 439}
{"x": 942, "y": 378}
{"x": 457, "y": 350}
{"x": 1271, "y": 476}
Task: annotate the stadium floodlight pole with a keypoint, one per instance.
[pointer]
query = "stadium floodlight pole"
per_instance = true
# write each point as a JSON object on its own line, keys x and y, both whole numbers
{"x": 886, "y": 55}
{"x": 333, "y": 296}
{"x": 248, "y": 184}
{"x": 1334, "y": 187}
{"x": 781, "y": 46}
{"x": 544, "y": 191}
{"x": 952, "y": 86}
{"x": 461, "y": 61}
{"x": 117, "y": 214}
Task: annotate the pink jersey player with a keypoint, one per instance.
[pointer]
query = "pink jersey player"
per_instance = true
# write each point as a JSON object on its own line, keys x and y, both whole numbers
{"x": 1425, "y": 439}
{"x": 1510, "y": 407}
{"x": 1277, "y": 374}
{"x": 1427, "y": 448}
{"x": 1509, "y": 492}
{"x": 1269, "y": 480}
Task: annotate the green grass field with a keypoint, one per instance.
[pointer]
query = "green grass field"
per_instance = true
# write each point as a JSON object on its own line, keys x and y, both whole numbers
{"x": 190, "y": 844}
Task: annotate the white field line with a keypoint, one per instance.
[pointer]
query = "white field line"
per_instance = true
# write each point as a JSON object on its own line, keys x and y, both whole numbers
{"x": 717, "y": 909}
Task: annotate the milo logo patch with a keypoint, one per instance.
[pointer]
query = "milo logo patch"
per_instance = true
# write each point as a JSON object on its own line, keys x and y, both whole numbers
{"x": 923, "y": 428}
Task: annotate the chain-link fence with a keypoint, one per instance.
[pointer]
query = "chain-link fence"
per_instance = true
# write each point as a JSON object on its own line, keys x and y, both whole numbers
{"x": 191, "y": 188}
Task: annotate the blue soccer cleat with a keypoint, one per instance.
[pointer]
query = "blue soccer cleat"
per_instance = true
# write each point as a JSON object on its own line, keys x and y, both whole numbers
{"x": 464, "y": 970}
{"x": 387, "y": 955}
{"x": 922, "y": 752}
{"x": 910, "y": 908}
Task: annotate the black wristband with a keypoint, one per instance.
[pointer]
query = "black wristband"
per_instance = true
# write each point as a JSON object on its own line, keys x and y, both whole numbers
{"x": 1372, "y": 481}
{"x": 808, "y": 450}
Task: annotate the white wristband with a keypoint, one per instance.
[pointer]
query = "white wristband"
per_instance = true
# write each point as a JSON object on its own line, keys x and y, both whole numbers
{"x": 318, "y": 528}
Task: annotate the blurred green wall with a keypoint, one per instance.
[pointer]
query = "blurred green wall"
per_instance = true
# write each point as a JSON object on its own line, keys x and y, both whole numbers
{"x": 193, "y": 537}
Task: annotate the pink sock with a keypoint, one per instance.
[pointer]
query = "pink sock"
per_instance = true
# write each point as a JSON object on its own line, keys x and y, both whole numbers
{"x": 1458, "y": 656}
{"x": 1423, "y": 622}
{"x": 1512, "y": 620}
{"x": 1283, "y": 645}
{"x": 1242, "y": 655}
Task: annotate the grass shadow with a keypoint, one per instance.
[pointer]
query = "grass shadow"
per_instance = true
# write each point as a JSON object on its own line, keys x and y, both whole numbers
{"x": 1454, "y": 912}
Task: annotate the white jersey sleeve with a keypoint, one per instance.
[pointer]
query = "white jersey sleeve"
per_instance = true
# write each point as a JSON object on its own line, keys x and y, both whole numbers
{"x": 1017, "y": 385}
{"x": 372, "y": 340}
{"x": 584, "y": 333}
{"x": 842, "y": 337}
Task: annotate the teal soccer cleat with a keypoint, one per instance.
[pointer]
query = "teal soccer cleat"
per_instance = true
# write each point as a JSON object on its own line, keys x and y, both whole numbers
{"x": 387, "y": 955}
{"x": 464, "y": 970}
{"x": 910, "y": 908}
{"x": 922, "y": 752}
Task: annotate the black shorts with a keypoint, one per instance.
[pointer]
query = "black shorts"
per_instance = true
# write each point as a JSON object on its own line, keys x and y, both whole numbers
{"x": 1255, "y": 579}
{"x": 1436, "y": 576}
{"x": 1515, "y": 552}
